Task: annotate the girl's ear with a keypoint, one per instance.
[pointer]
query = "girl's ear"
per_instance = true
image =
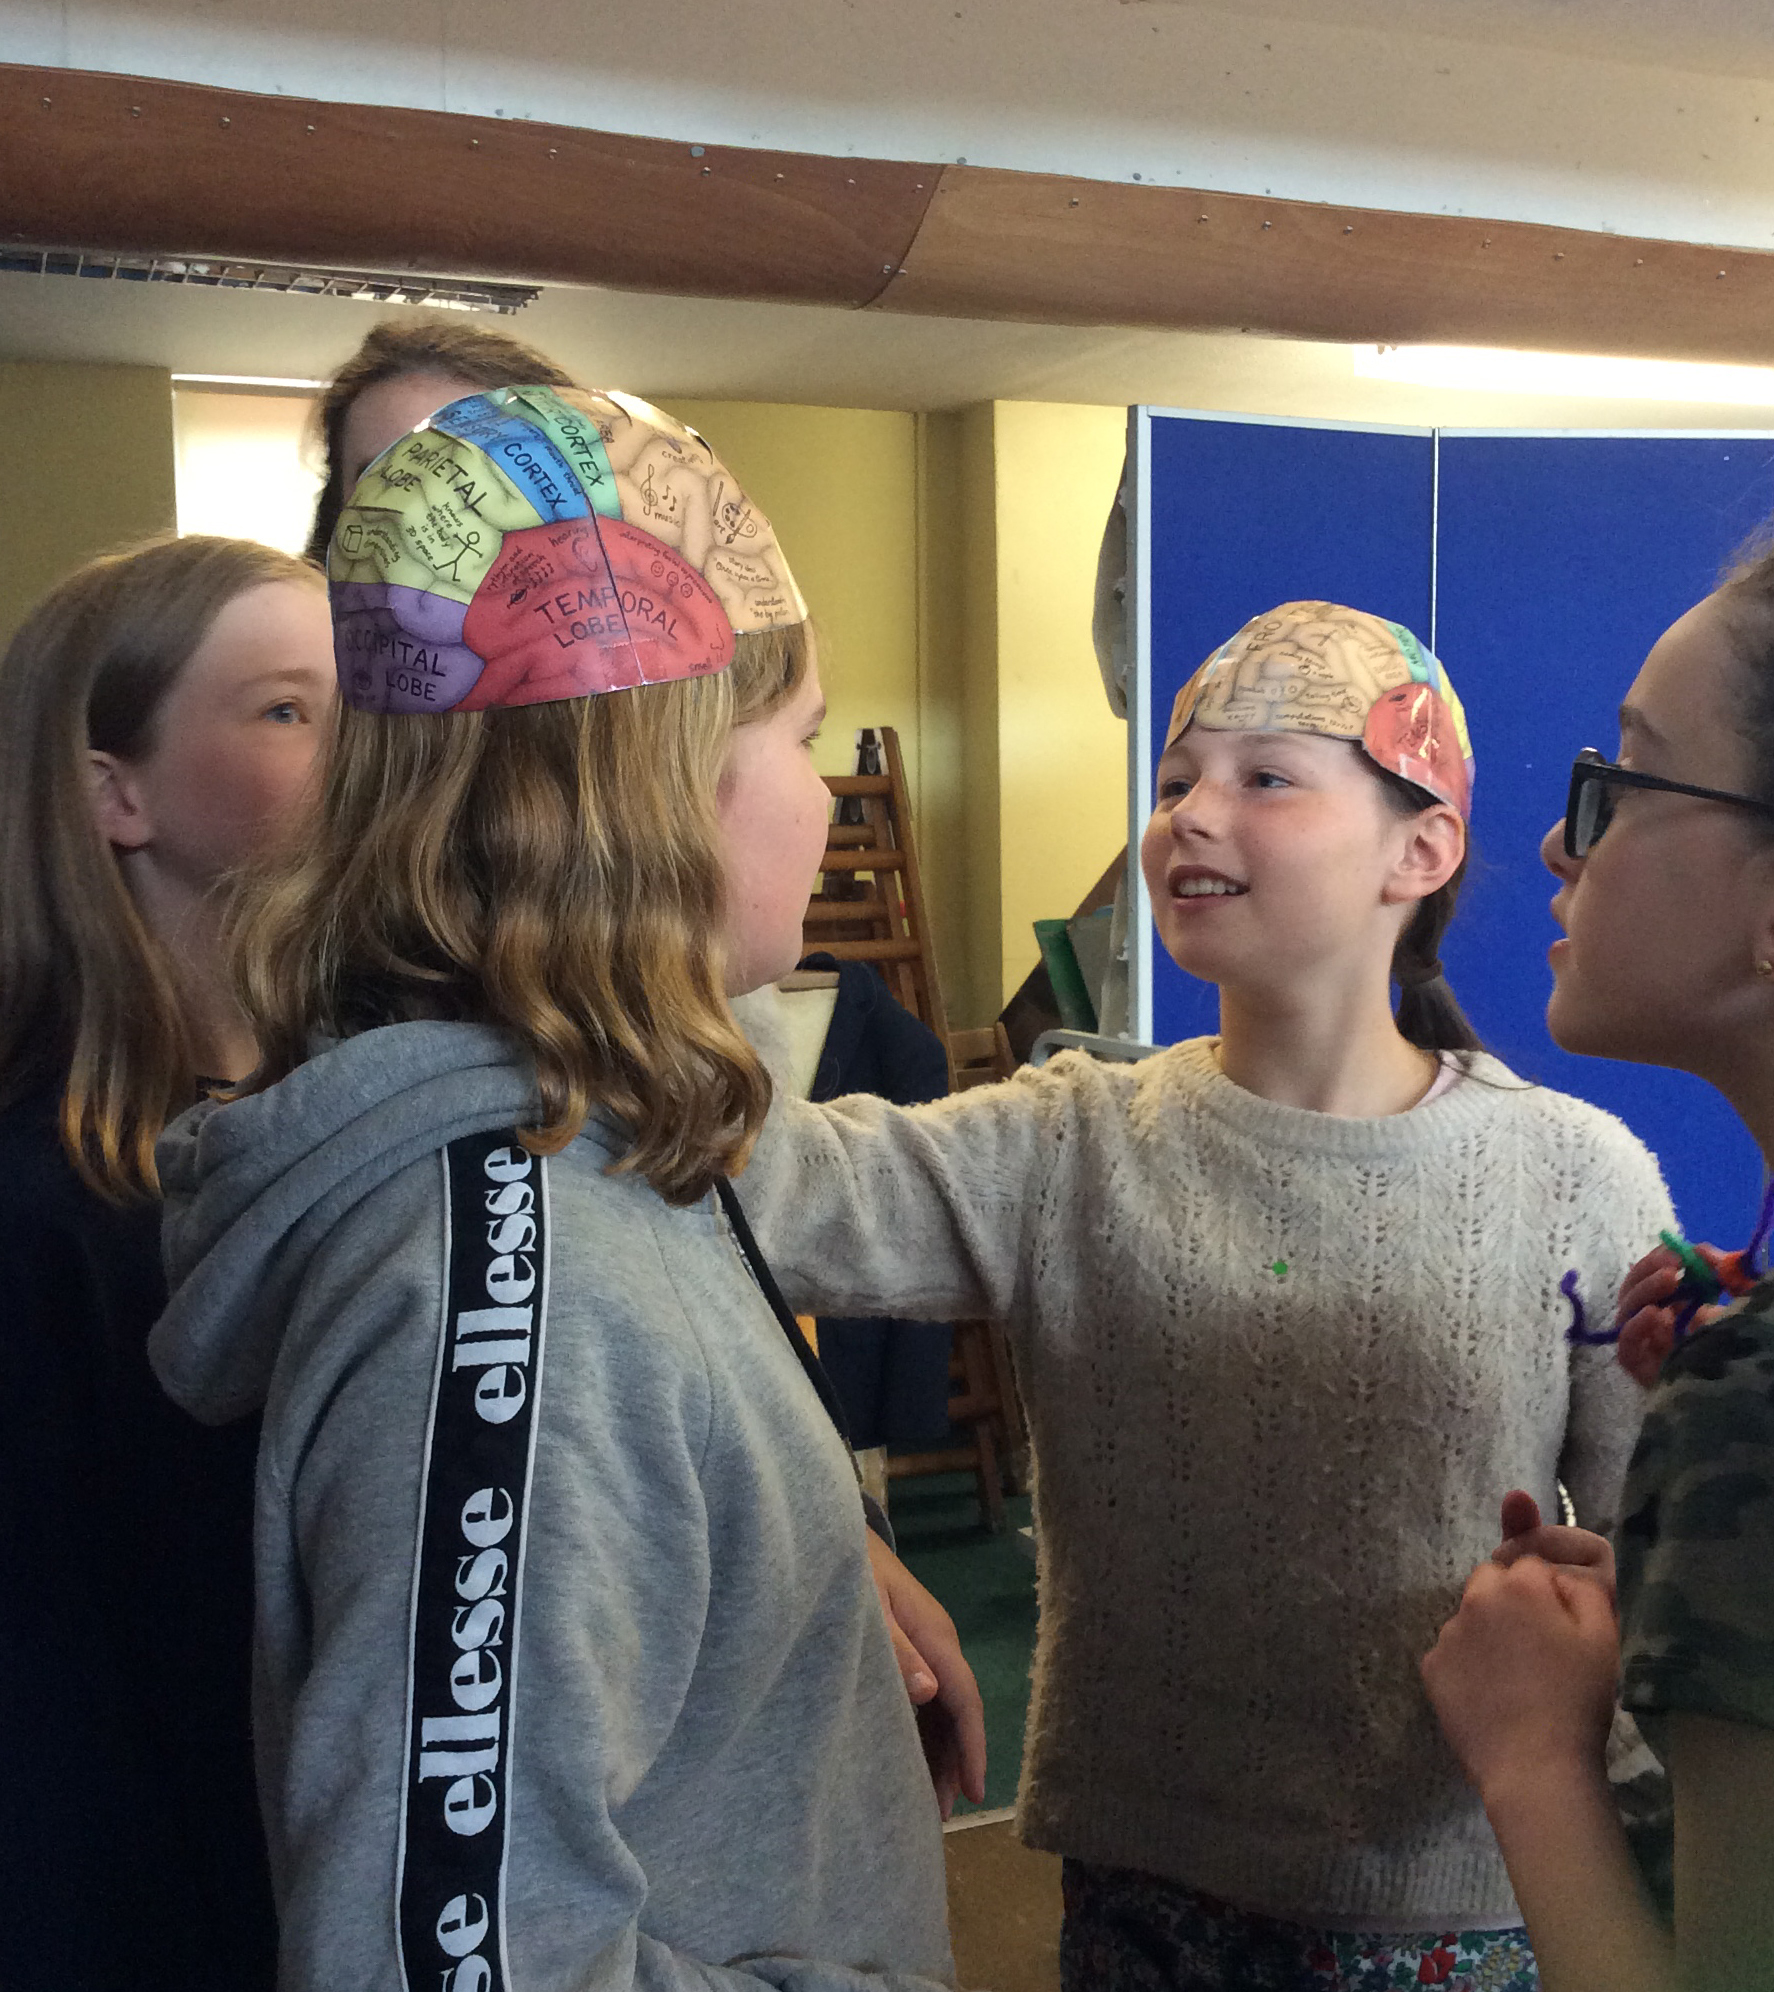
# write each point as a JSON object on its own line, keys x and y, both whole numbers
{"x": 118, "y": 806}
{"x": 1759, "y": 879}
{"x": 1433, "y": 849}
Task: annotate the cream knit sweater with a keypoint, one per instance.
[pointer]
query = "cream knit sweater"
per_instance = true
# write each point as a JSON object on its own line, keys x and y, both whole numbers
{"x": 1280, "y": 1368}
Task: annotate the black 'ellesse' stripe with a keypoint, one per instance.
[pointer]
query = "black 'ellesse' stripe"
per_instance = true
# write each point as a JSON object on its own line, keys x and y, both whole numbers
{"x": 467, "y": 1586}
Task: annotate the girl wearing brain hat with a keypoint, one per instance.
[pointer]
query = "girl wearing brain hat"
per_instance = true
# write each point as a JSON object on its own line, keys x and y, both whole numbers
{"x": 571, "y": 1670}
{"x": 1286, "y": 1309}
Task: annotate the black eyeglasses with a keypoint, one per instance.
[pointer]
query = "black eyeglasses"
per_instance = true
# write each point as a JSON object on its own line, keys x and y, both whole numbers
{"x": 1595, "y": 783}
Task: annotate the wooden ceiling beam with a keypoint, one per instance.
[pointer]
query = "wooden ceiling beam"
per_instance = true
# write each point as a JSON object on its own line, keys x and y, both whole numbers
{"x": 1031, "y": 245}
{"x": 96, "y": 161}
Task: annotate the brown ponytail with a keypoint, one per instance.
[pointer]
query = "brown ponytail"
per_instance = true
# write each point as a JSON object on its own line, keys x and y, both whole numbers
{"x": 1428, "y": 1014}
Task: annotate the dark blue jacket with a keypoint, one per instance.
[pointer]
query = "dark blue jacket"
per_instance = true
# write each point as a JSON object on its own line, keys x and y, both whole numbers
{"x": 130, "y": 1848}
{"x": 892, "y": 1377}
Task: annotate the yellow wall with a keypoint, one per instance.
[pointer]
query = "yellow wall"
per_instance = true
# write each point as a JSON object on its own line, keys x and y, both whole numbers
{"x": 866, "y": 507}
{"x": 90, "y": 451}
{"x": 958, "y": 870}
{"x": 975, "y": 484}
{"x": 950, "y": 564}
{"x": 840, "y": 487}
{"x": 1061, "y": 753}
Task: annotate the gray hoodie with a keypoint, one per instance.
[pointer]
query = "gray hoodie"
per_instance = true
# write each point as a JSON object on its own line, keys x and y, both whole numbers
{"x": 569, "y": 1667}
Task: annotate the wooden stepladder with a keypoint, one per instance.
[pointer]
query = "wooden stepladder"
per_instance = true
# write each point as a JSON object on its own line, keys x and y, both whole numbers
{"x": 870, "y": 902}
{"x": 870, "y": 907}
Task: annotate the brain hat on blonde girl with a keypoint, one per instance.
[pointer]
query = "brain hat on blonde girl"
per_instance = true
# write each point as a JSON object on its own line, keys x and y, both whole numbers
{"x": 529, "y": 543}
{"x": 1317, "y": 667}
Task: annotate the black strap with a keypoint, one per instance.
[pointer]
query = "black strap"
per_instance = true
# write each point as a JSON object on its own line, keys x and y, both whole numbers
{"x": 760, "y": 1270}
{"x": 474, "y": 1513}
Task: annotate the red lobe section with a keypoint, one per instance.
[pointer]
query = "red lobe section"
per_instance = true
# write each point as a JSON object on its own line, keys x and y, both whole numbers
{"x": 1411, "y": 731}
{"x": 589, "y": 605}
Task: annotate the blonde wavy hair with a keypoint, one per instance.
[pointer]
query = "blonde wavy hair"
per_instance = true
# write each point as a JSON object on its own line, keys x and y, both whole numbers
{"x": 552, "y": 869}
{"x": 89, "y": 1000}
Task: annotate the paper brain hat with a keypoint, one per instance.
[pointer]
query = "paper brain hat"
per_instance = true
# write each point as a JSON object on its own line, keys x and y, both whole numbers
{"x": 529, "y": 544}
{"x": 1315, "y": 667}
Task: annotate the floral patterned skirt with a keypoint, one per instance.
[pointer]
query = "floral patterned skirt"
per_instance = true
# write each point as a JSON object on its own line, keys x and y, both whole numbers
{"x": 1131, "y": 1932}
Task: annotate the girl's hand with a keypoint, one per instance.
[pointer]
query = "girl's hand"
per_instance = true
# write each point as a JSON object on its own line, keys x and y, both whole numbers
{"x": 1524, "y": 1674}
{"x": 1645, "y": 1315}
{"x": 951, "y": 1716}
{"x": 1579, "y": 1551}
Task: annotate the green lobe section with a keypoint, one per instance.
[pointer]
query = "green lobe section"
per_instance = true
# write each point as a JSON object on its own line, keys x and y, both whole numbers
{"x": 430, "y": 513}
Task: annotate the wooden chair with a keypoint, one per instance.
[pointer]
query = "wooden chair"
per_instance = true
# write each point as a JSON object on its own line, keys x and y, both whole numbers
{"x": 982, "y": 1398}
{"x": 977, "y": 1058}
{"x": 982, "y": 1383}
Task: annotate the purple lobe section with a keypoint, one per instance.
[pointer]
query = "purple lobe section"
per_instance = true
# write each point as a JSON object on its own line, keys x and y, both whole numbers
{"x": 400, "y": 649}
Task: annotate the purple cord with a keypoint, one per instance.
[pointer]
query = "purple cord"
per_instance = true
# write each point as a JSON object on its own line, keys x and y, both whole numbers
{"x": 1579, "y": 1332}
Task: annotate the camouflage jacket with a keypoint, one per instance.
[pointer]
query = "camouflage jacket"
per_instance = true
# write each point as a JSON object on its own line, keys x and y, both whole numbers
{"x": 1696, "y": 1546}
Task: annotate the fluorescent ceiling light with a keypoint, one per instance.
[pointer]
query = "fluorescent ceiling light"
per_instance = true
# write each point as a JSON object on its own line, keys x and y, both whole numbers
{"x": 1493, "y": 370}
{"x": 229, "y": 273}
{"x": 298, "y": 385}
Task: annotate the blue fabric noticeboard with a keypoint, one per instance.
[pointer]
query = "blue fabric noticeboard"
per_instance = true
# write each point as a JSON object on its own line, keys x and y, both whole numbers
{"x": 1561, "y": 561}
{"x": 1541, "y": 567}
{"x": 1247, "y": 514}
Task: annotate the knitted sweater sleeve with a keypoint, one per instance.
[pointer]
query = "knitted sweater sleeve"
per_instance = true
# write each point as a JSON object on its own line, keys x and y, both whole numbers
{"x": 865, "y": 1208}
{"x": 1628, "y": 1205}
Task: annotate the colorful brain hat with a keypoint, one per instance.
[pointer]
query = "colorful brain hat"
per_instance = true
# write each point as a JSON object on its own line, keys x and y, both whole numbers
{"x": 1315, "y": 667}
{"x": 529, "y": 544}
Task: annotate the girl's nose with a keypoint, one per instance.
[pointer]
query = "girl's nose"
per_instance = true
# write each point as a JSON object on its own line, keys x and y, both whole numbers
{"x": 1552, "y": 854}
{"x": 1196, "y": 812}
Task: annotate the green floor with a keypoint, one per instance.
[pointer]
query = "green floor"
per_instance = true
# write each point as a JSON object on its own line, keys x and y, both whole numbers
{"x": 987, "y": 1584}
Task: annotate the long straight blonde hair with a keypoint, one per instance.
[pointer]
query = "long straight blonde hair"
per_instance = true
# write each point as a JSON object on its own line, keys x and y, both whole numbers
{"x": 88, "y": 998}
{"x": 553, "y": 869}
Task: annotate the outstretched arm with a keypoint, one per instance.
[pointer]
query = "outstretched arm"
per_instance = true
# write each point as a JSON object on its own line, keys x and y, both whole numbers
{"x": 866, "y": 1208}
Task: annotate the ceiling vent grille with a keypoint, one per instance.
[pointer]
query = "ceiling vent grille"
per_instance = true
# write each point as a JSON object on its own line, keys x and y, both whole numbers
{"x": 234, "y": 273}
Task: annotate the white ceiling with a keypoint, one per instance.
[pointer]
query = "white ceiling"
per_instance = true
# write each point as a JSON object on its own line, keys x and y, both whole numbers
{"x": 1722, "y": 37}
{"x": 707, "y": 349}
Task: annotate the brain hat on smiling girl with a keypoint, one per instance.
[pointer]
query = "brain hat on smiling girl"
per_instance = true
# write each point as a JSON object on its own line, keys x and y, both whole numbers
{"x": 530, "y": 543}
{"x": 1317, "y": 667}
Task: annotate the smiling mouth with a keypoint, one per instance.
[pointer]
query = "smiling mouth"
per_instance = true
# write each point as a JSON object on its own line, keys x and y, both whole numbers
{"x": 1195, "y": 881}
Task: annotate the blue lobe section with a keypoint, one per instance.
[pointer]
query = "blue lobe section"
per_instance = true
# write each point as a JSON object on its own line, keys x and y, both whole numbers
{"x": 529, "y": 460}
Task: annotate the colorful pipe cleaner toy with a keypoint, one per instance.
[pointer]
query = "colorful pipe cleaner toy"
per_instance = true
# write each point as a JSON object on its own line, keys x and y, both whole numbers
{"x": 1700, "y": 1286}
